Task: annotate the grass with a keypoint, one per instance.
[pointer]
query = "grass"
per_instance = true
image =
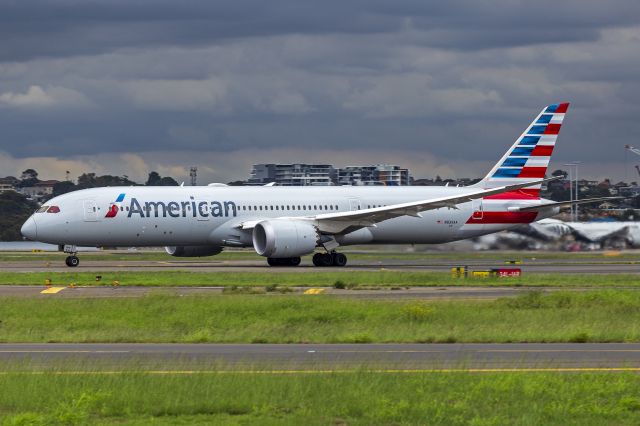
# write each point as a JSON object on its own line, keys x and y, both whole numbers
{"x": 312, "y": 278}
{"x": 597, "y": 316}
{"x": 356, "y": 398}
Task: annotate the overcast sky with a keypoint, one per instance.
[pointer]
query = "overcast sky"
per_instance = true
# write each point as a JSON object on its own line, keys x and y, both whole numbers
{"x": 125, "y": 87}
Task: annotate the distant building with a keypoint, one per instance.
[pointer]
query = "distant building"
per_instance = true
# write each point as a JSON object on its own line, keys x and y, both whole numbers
{"x": 8, "y": 183}
{"x": 40, "y": 190}
{"x": 379, "y": 174}
{"x": 299, "y": 174}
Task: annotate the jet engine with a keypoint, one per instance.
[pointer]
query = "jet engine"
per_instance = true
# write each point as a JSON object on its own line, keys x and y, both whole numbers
{"x": 192, "y": 251}
{"x": 281, "y": 238}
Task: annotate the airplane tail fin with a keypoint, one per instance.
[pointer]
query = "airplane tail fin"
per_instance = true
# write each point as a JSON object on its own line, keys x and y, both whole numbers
{"x": 529, "y": 156}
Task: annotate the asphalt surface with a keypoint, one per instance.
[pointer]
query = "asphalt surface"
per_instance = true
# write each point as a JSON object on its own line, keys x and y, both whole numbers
{"x": 309, "y": 357}
{"x": 561, "y": 266}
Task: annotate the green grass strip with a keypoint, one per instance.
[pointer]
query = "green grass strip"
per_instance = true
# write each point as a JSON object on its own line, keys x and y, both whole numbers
{"x": 596, "y": 316}
{"x": 362, "y": 398}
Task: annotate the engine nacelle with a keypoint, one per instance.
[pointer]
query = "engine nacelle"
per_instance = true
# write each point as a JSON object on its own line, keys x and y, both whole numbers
{"x": 284, "y": 238}
{"x": 192, "y": 251}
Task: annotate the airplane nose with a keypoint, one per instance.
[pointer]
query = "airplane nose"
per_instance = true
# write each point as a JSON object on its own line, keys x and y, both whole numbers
{"x": 29, "y": 229}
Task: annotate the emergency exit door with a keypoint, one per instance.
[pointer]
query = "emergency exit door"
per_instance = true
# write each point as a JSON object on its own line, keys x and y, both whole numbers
{"x": 90, "y": 211}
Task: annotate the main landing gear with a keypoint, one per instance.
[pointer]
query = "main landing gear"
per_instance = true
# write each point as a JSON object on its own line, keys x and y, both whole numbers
{"x": 329, "y": 259}
{"x": 283, "y": 261}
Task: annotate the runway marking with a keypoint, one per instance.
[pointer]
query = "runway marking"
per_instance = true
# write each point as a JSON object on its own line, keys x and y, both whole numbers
{"x": 52, "y": 290}
{"x": 315, "y": 291}
{"x": 311, "y": 372}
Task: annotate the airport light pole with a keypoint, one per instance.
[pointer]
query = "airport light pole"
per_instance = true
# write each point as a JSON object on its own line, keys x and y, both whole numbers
{"x": 574, "y": 208}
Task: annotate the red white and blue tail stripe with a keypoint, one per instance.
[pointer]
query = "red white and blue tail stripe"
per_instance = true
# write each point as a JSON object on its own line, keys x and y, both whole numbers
{"x": 528, "y": 158}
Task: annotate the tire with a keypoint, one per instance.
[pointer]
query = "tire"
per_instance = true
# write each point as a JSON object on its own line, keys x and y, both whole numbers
{"x": 317, "y": 259}
{"x": 272, "y": 261}
{"x": 294, "y": 261}
{"x": 339, "y": 259}
{"x": 72, "y": 261}
{"x": 327, "y": 259}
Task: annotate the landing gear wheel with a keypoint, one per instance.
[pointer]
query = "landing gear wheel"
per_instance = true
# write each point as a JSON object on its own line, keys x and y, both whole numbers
{"x": 323, "y": 259}
{"x": 294, "y": 261}
{"x": 72, "y": 261}
{"x": 339, "y": 259}
{"x": 283, "y": 261}
{"x": 318, "y": 259}
{"x": 272, "y": 261}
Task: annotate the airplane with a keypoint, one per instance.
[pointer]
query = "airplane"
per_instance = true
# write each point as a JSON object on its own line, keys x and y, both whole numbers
{"x": 590, "y": 232}
{"x": 284, "y": 223}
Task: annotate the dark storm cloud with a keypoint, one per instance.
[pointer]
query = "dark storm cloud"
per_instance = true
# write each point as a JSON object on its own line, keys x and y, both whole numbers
{"x": 458, "y": 79}
{"x": 45, "y": 28}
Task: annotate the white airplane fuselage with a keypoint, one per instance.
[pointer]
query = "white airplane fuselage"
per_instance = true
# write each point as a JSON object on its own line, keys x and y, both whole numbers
{"x": 210, "y": 216}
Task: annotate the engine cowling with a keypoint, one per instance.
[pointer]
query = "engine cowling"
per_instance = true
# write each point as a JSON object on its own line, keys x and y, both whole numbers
{"x": 192, "y": 251}
{"x": 284, "y": 238}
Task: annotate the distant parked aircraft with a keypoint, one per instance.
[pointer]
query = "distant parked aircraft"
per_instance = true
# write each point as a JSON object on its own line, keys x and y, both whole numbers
{"x": 592, "y": 232}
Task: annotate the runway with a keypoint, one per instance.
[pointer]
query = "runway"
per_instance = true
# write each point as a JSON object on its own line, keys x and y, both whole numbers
{"x": 313, "y": 357}
{"x": 559, "y": 266}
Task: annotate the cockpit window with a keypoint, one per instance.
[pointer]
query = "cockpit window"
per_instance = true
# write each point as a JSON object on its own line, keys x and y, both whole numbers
{"x": 53, "y": 209}
{"x": 42, "y": 209}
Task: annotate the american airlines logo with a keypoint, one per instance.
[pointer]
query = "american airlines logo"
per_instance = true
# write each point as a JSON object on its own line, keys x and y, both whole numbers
{"x": 191, "y": 208}
{"x": 113, "y": 209}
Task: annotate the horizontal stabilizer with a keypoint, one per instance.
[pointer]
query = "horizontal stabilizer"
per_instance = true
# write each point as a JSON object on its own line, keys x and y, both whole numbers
{"x": 568, "y": 203}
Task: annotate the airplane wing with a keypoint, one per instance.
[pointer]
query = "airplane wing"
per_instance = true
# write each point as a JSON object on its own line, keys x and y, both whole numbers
{"x": 334, "y": 223}
{"x": 566, "y": 203}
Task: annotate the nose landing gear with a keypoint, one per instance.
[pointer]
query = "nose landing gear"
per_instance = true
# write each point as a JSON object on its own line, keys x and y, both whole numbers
{"x": 72, "y": 260}
{"x": 329, "y": 259}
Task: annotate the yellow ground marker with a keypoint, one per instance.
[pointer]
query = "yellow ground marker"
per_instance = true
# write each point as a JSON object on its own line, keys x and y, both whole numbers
{"x": 52, "y": 290}
{"x": 315, "y": 291}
